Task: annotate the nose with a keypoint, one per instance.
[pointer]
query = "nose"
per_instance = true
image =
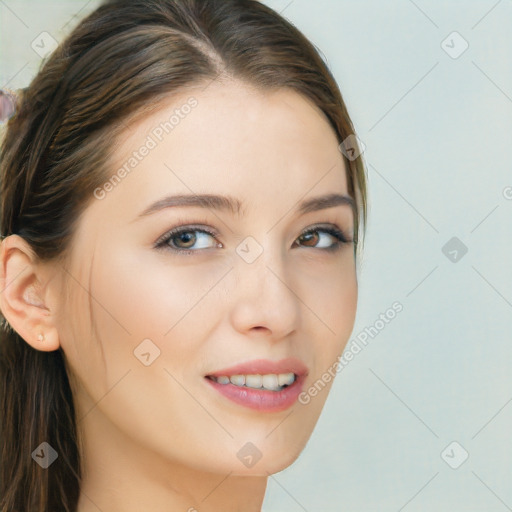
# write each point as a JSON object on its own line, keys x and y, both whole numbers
{"x": 265, "y": 297}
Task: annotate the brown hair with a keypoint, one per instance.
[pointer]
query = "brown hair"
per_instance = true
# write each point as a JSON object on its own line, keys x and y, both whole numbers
{"x": 116, "y": 65}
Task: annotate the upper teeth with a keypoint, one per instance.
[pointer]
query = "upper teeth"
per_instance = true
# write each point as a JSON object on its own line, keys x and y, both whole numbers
{"x": 270, "y": 381}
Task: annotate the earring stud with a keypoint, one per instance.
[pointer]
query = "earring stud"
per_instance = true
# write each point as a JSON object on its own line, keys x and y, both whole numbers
{"x": 40, "y": 337}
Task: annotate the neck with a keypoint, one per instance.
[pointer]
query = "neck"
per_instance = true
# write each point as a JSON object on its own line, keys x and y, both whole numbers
{"x": 121, "y": 475}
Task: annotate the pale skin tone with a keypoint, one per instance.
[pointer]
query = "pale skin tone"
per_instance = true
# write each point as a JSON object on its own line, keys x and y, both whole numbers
{"x": 158, "y": 437}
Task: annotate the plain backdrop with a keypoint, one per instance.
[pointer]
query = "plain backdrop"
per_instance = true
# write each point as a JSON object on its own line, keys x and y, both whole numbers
{"x": 421, "y": 417}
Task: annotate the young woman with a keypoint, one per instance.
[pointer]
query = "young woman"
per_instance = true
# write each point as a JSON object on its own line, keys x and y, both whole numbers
{"x": 181, "y": 200}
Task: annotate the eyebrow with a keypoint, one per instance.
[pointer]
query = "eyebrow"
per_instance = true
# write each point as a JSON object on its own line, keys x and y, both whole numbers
{"x": 228, "y": 203}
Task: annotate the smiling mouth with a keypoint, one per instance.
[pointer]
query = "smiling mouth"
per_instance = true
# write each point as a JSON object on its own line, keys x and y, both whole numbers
{"x": 269, "y": 382}
{"x": 263, "y": 385}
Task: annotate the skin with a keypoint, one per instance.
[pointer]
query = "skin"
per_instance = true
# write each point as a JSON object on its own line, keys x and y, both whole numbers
{"x": 158, "y": 437}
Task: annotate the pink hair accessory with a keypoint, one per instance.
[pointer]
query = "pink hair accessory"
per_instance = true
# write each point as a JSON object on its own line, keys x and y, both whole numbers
{"x": 8, "y": 101}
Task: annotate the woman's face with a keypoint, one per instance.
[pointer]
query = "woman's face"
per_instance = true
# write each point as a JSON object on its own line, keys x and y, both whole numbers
{"x": 148, "y": 318}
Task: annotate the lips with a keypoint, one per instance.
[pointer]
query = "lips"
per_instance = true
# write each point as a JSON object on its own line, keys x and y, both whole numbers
{"x": 260, "y": 399}
{"x": 264, "y": 367}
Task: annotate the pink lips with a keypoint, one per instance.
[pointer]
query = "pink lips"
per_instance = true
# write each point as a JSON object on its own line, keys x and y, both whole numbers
{"x": 262, "y": 400}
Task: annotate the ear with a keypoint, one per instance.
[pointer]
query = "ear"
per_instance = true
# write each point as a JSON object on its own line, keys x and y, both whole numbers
{"x": 22, "y": 294}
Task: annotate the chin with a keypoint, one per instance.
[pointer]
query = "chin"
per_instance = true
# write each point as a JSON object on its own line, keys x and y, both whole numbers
{"x": 270, "y": 466}
{"x": 275, "y": 457}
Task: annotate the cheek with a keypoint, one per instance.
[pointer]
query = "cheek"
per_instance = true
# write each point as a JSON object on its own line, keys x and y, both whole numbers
{"x": 74, "y": 321}
{"x": 331, "y": 299}
{"x": 141, "y": 297}
{"x": 148, "y": 295}
{"x": 340, "y": 296}
{"x": 134, "y": 298}
{"x": 330, "y": 293}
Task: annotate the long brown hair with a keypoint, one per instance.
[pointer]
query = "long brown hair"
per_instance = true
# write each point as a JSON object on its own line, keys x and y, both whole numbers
{"x": 116, "y": 65}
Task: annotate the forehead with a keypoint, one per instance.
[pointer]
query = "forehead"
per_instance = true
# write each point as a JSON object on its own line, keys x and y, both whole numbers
{"x": 231, "y": 107}
{"x": 230, "y": 138}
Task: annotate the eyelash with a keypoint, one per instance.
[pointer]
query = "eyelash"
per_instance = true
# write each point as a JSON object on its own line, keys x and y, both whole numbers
{"x": 333, "y": 230}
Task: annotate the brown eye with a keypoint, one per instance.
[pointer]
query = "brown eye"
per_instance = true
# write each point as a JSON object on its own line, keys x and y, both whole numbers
{"x": 310, "y": 238}
{"x": 187, "y": 239}
{"x": 318, "y": 238}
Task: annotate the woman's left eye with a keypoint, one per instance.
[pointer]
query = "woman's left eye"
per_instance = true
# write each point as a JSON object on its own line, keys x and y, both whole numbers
{"x": 183, "y": 239}
{"x": 333, "y": 232}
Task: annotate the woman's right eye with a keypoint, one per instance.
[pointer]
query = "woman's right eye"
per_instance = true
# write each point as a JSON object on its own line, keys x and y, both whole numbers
{"x": 182, "y": 239}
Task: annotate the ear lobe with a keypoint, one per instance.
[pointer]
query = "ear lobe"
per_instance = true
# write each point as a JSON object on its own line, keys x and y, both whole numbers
{"x": 22, "y": 295}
